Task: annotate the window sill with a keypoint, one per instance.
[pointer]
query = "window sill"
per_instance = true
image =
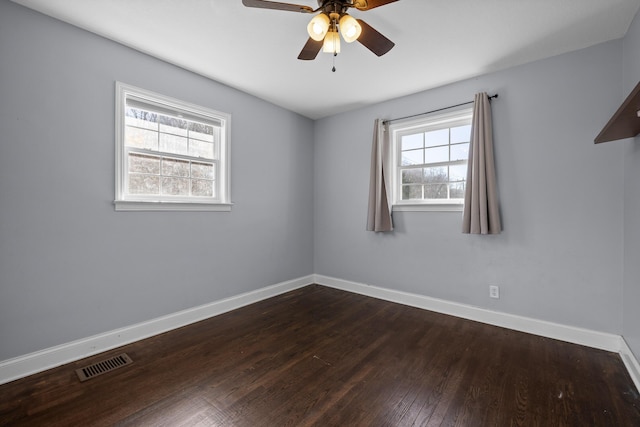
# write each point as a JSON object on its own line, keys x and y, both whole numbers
{"x": 430, "y": 207}
{"x": 128, "y": 205}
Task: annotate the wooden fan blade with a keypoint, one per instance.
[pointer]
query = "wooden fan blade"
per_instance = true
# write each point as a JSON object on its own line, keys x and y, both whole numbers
{"x": 277, "y": 6}
{"x": 370, "y": 4}
{"x": 373, "y": 40}
{"x": 310, "y": 50}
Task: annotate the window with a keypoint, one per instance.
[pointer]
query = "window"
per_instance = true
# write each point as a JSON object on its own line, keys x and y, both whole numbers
{"x": 170, "y": 155}
{"x": 430, "y": 161}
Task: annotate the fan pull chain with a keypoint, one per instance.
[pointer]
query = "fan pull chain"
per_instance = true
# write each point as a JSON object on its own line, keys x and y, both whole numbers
{"x": 334, "y": 61}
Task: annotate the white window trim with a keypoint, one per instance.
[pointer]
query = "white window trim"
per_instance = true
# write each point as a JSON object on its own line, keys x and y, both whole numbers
{"x": 126, "y": 202}
{"x": 433, "y": 122}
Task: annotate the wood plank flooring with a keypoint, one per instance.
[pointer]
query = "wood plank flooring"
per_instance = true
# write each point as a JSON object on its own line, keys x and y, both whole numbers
{"x": 324, "y": 357}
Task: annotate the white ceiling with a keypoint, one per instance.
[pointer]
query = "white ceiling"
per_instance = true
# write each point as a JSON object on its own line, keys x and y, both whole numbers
{"x": 437, "y": 42}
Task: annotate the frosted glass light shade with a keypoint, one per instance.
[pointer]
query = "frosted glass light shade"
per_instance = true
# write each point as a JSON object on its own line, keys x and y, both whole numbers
{"x": 331, "y": 42}
{"x": 350, "y": 28}
{"x": 318, "y": 27}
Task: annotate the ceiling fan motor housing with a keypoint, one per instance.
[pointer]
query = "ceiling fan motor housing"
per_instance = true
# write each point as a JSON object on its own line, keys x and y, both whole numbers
{"x": 334, "y": 11}
{"x": 345, "y": 4}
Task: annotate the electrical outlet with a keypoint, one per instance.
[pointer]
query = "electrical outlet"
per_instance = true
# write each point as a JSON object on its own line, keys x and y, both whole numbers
{"x": 494, "y": 291}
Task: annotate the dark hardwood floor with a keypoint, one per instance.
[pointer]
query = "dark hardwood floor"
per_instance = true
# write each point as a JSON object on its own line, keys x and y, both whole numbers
{"x": 320, "y": 356}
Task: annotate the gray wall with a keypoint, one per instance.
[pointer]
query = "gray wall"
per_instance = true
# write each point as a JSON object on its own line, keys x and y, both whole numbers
{"x": 631, "y": 76}
{"x": 70, "y": 266}
{"x": 560, "y": 256}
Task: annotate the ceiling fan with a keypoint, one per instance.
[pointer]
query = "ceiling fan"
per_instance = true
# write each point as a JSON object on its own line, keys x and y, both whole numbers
{"x": 333, "y": 19}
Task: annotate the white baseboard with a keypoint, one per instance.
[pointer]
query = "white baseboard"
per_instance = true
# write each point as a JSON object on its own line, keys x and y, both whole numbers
{"x": 581, "y": 336}
{"x": 586, "y": 337}
{"x": 39, "y": 361}
{"x": 630, "y": 361}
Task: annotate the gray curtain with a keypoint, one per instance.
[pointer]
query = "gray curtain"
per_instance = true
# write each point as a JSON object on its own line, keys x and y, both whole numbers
{"x": 481, "y": 214}
{"x": 379, "y": 217}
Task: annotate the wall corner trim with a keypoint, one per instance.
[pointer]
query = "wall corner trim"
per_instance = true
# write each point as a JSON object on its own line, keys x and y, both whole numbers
{"x": 22, "y": 366}
{"x": 630, "y": 361}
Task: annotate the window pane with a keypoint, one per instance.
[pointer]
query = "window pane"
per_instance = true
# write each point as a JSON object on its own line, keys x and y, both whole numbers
{"x": 144, "y": 164}
{"x": 436, "y": 137}
{"x": 461, "y": 134}
{"x": 435, "y": 191}
{"x": 409, "y": 142}
{"x": 201, "y": 187}
{"x": 412, "y": 192}
{"x": 200, "y": 149}
{"x": 456, "y": 191}
{"x": 202, "y": 170}
{"x": 460, "y": 152}
{"x": 174, "y": 167}
{"x": 413, "y": 157}
{"x": 410, "y": 176}
{"x": 173, "y": 144}
{"x": 457, "y": 173}
{"x": 201, "y": 132}
{"x": 141, "y": 118}
{"x": 144, "y": 184}
{"x": 175, "y": 186}
{"x": 173, "y": 125}
{"x": 436, "y": 155}
{"x": 141, "y": 138}
{"x": 438, "y": 174}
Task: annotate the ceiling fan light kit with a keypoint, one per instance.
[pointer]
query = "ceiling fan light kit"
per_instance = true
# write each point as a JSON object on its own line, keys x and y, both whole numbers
{"x": 318, "y": 27}
{"x": 350, "y": 28}
{"x": 331, "y": 43}
{"x": 325, "y": 28}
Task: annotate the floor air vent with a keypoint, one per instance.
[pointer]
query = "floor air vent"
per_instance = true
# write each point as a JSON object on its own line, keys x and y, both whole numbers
{"x": 103, "y": 367}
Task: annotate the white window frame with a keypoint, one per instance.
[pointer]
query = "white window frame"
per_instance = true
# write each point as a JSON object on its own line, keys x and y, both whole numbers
{"x": 125, "y": 201}
{"x": 423, "y": 124}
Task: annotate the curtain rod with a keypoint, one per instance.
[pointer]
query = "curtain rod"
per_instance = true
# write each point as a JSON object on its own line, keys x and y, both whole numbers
{"x": 384, "y": 122}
